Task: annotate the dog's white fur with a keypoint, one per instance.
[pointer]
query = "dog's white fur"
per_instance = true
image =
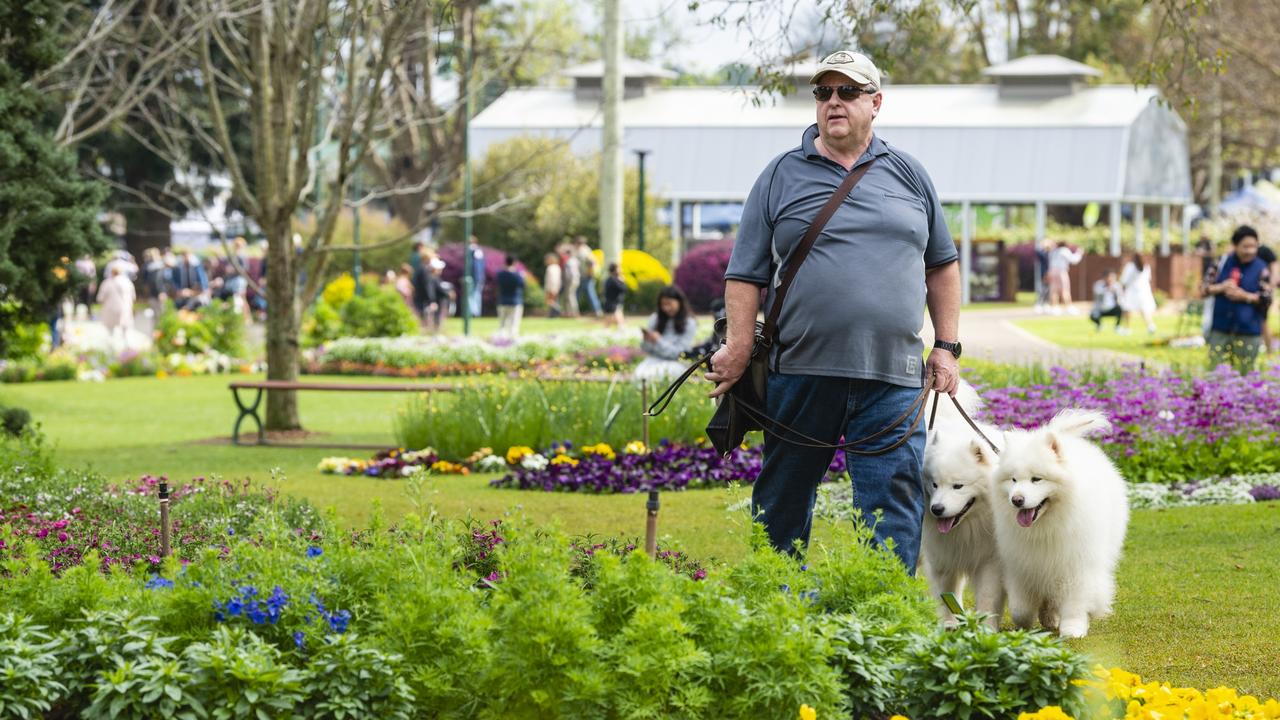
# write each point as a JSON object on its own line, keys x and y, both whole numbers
{"x": 959, "y": 468}
{"x": 1060, "y": 566}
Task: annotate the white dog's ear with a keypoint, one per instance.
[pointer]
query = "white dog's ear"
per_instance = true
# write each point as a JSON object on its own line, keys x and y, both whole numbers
{"x": 1055, "y": 444}
{"x": 981, "y": 453}
{"x": 1074, "y": 421}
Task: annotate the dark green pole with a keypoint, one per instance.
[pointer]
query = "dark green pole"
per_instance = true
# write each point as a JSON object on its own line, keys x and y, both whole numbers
{"x": 466, "y": 177}
{"x": 640, "y": 214}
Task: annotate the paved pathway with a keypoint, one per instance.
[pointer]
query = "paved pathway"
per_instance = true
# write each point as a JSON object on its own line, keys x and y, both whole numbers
{"x": 992, "y": 335}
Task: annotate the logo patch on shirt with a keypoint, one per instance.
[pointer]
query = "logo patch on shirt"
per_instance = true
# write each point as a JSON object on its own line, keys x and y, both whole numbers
{"x": 911, "y": 364}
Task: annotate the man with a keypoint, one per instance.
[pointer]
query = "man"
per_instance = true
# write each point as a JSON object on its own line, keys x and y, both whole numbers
{"x": 477, "y": 277}
{"x": 510, "y": 300}
{"x": 1235, "y": 335}
{"x": 191, "y": 282}
{"x": 847, "y": 360}
{"x": 1106, "y": 301}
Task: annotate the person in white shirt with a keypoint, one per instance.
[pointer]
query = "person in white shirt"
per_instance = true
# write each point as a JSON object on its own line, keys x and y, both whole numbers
{"x": 1137, "y": 296}
{"x": 1060, "y": 262}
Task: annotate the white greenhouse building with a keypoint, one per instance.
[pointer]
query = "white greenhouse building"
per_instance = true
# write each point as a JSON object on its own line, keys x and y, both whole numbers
{"x": 1036, "y": 135}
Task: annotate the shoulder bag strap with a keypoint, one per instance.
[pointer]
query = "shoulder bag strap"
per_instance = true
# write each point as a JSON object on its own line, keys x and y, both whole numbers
{"x": 802, "y": 250}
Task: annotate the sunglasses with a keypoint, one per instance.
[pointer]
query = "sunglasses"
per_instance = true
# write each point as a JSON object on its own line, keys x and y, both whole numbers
{"x": 848, "y": 93}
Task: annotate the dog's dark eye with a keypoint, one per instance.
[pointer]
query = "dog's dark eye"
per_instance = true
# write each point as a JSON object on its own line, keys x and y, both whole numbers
{"x": 1036, "y": 479}
{"x": 957, "y": 487}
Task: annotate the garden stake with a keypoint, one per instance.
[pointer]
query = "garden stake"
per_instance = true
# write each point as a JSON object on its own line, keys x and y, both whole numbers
{"x": 164, "y": 519}
{"x": 651, "y": 507}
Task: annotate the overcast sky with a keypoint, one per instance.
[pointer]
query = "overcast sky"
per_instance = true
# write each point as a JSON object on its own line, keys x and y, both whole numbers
{"x": 707, "y": 46}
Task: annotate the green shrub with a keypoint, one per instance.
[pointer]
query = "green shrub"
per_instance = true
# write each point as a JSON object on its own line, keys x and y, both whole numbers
{"x": 26, "y": 341}
{"x": 216, "y": 327}
{"x": 59, "y": 367}
{"x": 20, "y": 371}
{"x": 378, "y": 312}
{"x": 14, "y": 420}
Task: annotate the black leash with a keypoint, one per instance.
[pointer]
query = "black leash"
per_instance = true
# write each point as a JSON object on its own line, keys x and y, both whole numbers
{"x": 774, "y": 426}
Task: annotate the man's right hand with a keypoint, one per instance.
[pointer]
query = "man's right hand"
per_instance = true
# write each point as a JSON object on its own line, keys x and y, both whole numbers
{"x": 727, "y": 365}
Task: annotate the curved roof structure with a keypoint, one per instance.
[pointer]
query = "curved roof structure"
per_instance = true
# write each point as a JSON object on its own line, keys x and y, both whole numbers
{"x": 1035, "y": 135}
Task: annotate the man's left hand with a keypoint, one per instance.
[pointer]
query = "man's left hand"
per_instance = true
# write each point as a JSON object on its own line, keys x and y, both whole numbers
{"x": 945, "y": 369}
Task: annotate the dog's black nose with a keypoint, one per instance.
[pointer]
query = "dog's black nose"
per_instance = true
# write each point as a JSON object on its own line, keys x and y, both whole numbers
{"x": 938, "y": 509}
{"x": 1017, "y": 500}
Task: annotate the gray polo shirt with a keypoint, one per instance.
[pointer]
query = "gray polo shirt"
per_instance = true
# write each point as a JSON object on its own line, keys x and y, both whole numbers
{"x": 857, "y": 304}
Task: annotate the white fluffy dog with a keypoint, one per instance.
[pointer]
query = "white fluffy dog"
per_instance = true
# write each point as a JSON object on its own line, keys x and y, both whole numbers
{"x": 958, "y": 538}
{"x": 1060, "y": 518}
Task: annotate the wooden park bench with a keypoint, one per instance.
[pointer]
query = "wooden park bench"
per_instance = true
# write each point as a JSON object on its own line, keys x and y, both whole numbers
{"x": 260, "y": 385}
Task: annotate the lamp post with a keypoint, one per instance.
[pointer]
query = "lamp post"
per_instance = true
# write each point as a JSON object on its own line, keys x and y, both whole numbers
{"x": 640, "y": 214}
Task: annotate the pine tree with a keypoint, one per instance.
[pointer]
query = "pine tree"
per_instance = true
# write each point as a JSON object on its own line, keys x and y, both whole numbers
{"x": 47, "y": 211}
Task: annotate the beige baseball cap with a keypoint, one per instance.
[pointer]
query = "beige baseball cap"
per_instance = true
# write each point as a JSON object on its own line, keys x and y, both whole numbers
{"x": 855, "y": 66}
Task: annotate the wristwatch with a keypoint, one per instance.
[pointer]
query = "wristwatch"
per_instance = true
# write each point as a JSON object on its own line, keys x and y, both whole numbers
{"x": 953, "y": 347}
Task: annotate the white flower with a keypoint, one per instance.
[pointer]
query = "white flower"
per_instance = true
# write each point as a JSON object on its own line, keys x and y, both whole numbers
{"x": 534, "y": 462}
{"x": 491, "y": 463}
{"x": 1166, "y": 415}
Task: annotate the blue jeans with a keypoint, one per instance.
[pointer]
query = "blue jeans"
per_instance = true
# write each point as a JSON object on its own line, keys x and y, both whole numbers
{"x": 589, "y": 285}
{"x": 826, "y": 408}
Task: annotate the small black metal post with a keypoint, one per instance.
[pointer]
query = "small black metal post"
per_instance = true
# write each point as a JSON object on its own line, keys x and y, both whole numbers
{"x": 164, "y": 519}
{"x": 651, "y": 507}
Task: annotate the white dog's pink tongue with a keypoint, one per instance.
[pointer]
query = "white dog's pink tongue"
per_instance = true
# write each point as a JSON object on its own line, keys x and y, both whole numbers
{"x": 1026, "y": 517}
{"x": 945, "y": 525}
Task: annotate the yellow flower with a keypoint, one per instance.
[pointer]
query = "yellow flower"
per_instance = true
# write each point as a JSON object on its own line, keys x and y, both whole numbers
{"x": 899, "y": 717}
{"x": 162, "y": 374}
{"x": 808, "y": 713}
{"x": 1053, "y": 712}
{"x": 517, "y": 453}
{"x": 635, "y": 447}
{"x": 563, "y": 460}
{"x": 601, "y": 449}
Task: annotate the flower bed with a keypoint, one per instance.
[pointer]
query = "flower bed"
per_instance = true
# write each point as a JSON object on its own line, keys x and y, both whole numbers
{"x": 1168, "y": 428}
{"x": 64, "y": 517}
{"x": 448, "y": 355}
{"x": 98, "y": 365}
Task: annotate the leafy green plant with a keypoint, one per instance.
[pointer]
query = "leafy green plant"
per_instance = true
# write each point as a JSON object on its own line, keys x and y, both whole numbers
{"x": 971, "y": 672}
{"x": 236, "y": 674}
{"x": 29, "y": 668}
{"x": 349, "y": 680}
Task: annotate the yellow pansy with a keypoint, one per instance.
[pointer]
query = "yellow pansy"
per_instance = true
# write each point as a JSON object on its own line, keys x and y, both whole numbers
{"x": 808, "y": 713}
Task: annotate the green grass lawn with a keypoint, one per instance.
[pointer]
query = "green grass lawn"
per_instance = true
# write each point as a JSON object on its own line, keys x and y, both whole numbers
{"x": 1075, "y": 331}
{"x": 1197, "y": 602}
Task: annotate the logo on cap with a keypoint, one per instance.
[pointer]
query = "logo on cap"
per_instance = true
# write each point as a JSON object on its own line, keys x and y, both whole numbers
{"x": 840, "y": 57}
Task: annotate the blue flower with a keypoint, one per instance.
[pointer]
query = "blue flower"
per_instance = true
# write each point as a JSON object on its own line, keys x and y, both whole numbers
{"x": 256, "y": 615}
{"x": 156, "y": 582}
{"x": 299, "y": 639}
{"x": 313, "y": 552}
{"x": 339, "y": 620}
{"x": 234, "y": 606}
{"x": 231, "y": 532}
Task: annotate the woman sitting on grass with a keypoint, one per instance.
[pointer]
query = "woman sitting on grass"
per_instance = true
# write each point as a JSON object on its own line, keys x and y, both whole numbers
{"x": 669, "y": 334}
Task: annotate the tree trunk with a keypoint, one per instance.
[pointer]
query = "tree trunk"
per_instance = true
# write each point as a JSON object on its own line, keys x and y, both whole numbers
{"x": 282, "y": 327}
{"x": 147, "y": 228}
